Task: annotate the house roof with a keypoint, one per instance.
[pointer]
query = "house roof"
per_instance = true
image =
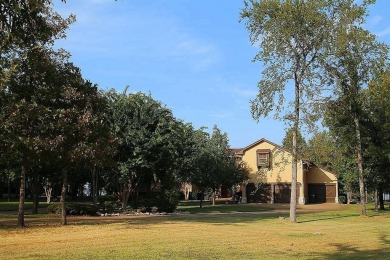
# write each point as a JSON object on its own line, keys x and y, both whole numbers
{"x": 235, "y": 150}
{"x": 242, "y": 150}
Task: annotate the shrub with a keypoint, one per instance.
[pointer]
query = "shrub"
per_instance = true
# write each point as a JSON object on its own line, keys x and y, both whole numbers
{"x": 163, "y": 201}
{"x": 110, "y": 206}
{"x": 54, "y": 208}
{"x": 105, "y": 198}
{"x": 166, "y": 201}
{"x": 343, "y": 199}
{"x": 73, "y": 209}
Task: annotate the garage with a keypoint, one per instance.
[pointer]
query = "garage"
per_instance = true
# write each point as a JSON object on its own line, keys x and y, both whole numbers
{"x": 322, "y": 193}
{"x": 282, "y": 193}
{"x": 268, "y": 193}
{"x": 260, "y": 193}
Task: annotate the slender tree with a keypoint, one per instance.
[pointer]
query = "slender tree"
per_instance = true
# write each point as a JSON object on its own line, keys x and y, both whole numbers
{"x": 301, "y": 143}
{"x": 353, "y": 57}
{"x": 378, "y": 150}
{"x": 291, "y": 36}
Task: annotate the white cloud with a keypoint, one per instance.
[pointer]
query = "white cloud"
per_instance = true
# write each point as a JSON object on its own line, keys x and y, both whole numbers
{"x": 251, "y": 93}
{"x": 136, "y": 34}
{"x": 384, "y": 32}
{"x": 374, "y": 20}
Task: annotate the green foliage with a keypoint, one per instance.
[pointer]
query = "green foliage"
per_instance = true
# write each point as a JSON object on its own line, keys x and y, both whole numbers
{"x": 163, "y": 201}
{"x": 150, "y": 143}
{"x": 354, "y": 58}
{"x": 166, "y": 201}
{"x": 25, "y": 24}
{"x": 54, "y": 208}
{"x": 342, "y": 199}
{"x": 301, "y": 143}
{"x": 378, "y": 130}
{"x": 105, "y": 198}
{"x": 212, "y": 165}
{"x": 110, "y": 206}
{"x": 322, "y": 149}
{"x": 292, "y": 36}
{"x": 73, "y": 209}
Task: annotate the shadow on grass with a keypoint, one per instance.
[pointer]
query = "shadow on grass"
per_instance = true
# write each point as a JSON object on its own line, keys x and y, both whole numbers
{"x": 227, "y": 214}
{"x": 345, "y": 251}
{"x": 317, "y": 218}
{"x": 385, "y": 239}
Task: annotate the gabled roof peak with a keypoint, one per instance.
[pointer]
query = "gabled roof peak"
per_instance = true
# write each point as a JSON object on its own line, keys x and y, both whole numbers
{"x": 262, "y": 140}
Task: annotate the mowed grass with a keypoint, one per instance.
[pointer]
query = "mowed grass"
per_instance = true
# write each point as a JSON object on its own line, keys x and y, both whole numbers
{"x": 220, "y": 234}
{"x": 13, "y": 205}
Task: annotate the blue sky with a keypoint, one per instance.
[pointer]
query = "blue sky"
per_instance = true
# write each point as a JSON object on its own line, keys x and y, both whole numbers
{"x": 192, "y": 55}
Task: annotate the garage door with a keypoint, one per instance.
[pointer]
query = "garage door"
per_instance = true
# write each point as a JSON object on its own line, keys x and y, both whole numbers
{"x": 282, "y": 193}
{"x": 258, "y": 193}
{"x": 322, "y": 193}
{"x": 330, "y": 193}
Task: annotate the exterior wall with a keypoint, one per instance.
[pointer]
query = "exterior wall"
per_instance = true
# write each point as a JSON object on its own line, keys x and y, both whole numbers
{"x": 316, "y": 175}
{"x": 279, "y": 171}
{"x": 280, "y": 166}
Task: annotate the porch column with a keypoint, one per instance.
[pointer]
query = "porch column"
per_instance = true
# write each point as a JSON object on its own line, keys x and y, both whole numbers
{"x": 302, "y": 199}
{"x": 243, "y": 195}
{"x": 272, "y": 193}
{"x": 337, "y": 192}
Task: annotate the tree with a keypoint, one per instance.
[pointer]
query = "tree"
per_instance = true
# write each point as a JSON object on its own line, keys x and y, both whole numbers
{"x": 212, "y": 164}
{"x": 322, "y": 149}
{"x": 378, "y": 150}
{"x": 203, "y": 163}
{"x": 24, "y": 26}
{"x": 148, "y": 144}
{"x": 301, "y": 143}
{"x": 25, "y": 114}
{"x": 353, "y": 57}
{"x": 75, "y": 131}
{"x": 292, "y": 36}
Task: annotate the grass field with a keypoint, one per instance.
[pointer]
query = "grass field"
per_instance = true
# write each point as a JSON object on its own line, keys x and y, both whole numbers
{"x": 222, "y": 232}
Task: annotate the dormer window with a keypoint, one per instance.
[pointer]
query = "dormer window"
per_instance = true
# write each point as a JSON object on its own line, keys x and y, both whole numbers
{"x": 263, "y": 158}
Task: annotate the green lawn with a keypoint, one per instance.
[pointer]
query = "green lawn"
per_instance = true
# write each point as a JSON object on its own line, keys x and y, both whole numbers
{"x": 245, "y": 233}
{"x": 13, "y": 205}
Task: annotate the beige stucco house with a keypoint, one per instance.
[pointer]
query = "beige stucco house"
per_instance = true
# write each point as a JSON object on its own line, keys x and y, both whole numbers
{"x": 270, "y": 177}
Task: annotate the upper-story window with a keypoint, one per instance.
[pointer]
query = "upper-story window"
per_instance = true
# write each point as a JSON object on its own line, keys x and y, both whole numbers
{"x": 263, "y": 158}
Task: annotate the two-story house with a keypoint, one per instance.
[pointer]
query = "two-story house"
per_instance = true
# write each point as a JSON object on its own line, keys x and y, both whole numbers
{"x": 270, "y": 178}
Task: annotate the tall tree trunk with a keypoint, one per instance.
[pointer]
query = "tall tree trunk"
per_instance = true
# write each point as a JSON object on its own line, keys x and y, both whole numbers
{"x": 359, "y": 153}
{"x": 201, "y": 199}
{"x": 35, "y": 193}
{"x": 22, "y": 194}
{"x": 376, "y": 199}
{"x": 94, "y": 187}
{"x": 2, "y": 182}
{"x": 9, "y": 189}
{"x": 380, "y": 197}
{"x": 63, "y": 196}
{"x": 126, "y": 190}
{"x": 214, "y": 195}
{"x": 48, "y": 191}
{"x": 349, "y": 197}
{"x": 293, "y": 200}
